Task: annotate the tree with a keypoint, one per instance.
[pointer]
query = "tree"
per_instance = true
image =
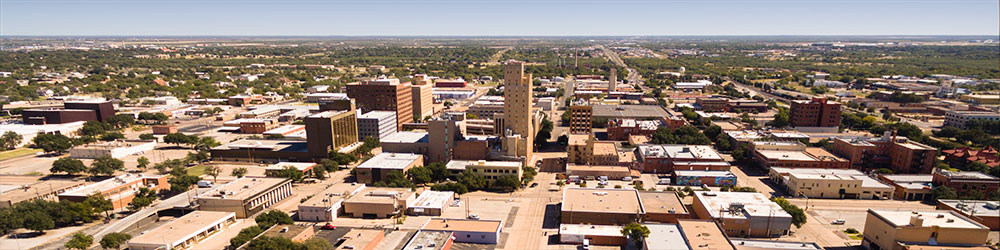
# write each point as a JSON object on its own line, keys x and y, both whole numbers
{"x": 472, "y": 180}
{"x": 10, "y": 139}
{"x": 245, "y": 235}
{"x": 439, "y": 172}
{"x": 239, "y": 172}
{"x": 94, "y": 128}
{"x": 111, "y": 136}
{"x": 37, "y": 221}
{"x": 507, "y": 183}
{"x": 458, "y": 188}
{"x": 274, "y": 243}
{"x": 713, "y": 131}
{"x": 147, "y": 137}
{"x": 98, "y": 204}
{"x": 51, "y": 143}
{"x": 178, "y": 139}
{"x": 105, "y": 166}
{"x": 80, "y": 241}
{"x": 68, "y": 165}
{"x": 780, "y": 119}
{"x": 798, "y": 215}
{"x": 563, "y": 140}
{"x": 394, "y": 179}
{"x": 142, "y": 163}
{"x": 181, "y": 183}
{"x": 636, "y": 232}
{"x": 317, "y": 243}
{"x": 142, "y": 199}
{"x": 288, "y": 172}
{"x": 273, "y": 217}
{"x": 114, "y": 240}
{"x": 121, "y": 121}
{"x": 420, "y": 175}
{"x": 213, "y": 171}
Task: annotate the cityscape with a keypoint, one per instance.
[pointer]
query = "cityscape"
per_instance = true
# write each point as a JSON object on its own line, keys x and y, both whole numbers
{"x": 479, "y": 141}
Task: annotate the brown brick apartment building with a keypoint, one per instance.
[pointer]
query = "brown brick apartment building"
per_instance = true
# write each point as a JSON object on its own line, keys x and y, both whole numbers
{"x": 818, "y": 112}
{"x": 900, "y": 154}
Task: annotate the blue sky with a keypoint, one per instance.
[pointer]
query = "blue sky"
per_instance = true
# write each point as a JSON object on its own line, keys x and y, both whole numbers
{"x": 499, "y": 17}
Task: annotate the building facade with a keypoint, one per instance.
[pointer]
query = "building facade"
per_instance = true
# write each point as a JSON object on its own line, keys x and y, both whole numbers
{"x": 331, "y": 130}
{"x": 895, "y": 230}
{"x": 968, "y": 183}
{"x": 518, "y": 118}
{"x": 246, "y": 196}
{"x": 385, "y": 95}
{"x": 423, "y": 101}
{"x": 580, "y": 119}
{"x": 960, "y": 119}
{"x": 378, "y": 124}
{"x": 818, "y": 112}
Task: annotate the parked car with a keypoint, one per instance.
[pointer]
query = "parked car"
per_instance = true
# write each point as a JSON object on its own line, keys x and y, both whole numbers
{"x": 328, "y": 226}
{"x": 534, "y": 184}
{"x": 837, "y": 222}
{"x": 474, "y": 216}
{"x": 204, "y": 184}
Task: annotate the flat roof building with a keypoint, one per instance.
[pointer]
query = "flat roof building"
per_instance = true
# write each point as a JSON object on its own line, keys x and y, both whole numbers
{"x": 431, "y": 203}
{"x": 16, "y": 189}
{"x": 378, "y": 167}
{"x": 743, "y": 214}
{"x": 754, "y": 244}
{"x": 830, "y": 183}
{"x": 664, "y": 207}
{"x": 120, "y": 190}
{"x": 430, "y": 240}
{"x": 115, "y": 149}
{"x": 386, "y": 95}
{"x": 967, "y": 182}
{"x": 184, "y": 232}
{"x": 601, "y": 206}
{"x": 984, "y": 212}
{"x": 664, "y": 237}
{"x": 467, "y": 231}
{"x": 665, "y": 158}
{"x": 638, "y": 112}
{"x": 600, "y": 235}
{"x": 795, "y": 155}
{"x": 246, "y": 196}
{"x": 328, "y": 204}
{"x": 361, "y": 239}
{"x": 715, "y": 178}
{"x": 910, "y": 187}
{"x": 378, "y": 124}
{"x": 295, "y": 233}
{"x": 705, "y": 235}
{"x": 894, "y": 230}
{"x": 379, "y": 202}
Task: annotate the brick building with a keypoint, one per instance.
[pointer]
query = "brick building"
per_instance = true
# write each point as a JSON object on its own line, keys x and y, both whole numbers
{"x": 818, "y": 112}
{"x": 899, "y": 153}
{"x": 621, "y": 129}
{"x": 967, "y": 182}
{"x": 384, "y": 94}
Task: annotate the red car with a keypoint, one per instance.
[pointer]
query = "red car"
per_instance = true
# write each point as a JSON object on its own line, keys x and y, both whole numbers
{"x": 328, "y": 227}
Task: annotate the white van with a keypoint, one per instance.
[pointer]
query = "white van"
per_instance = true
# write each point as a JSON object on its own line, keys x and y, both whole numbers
{"x": 204, "y": 184}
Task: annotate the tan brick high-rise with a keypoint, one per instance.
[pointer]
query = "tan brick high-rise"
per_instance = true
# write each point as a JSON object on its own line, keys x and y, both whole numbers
{"x": 517, "y": 109}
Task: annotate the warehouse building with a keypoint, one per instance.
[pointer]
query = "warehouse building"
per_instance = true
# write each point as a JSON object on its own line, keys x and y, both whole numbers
{"x": 601, "y": 206}
{"x": 664, "y": 207}
{"x": 374, "y": 203}
{"x": 830, "y": 183}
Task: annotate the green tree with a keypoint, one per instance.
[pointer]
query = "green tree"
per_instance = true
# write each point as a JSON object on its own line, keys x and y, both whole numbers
{"x": 319, "y": 172}
{"x": 213, "y": 171}
{"x": 178, "y": 139}
{"x": 181, "y": 183}
{"x": 317, "y": 243}
{"x": 458, "y": 188}
{"x": 273, "y": 217}
{"x": 439, "y": 172}
{"x": 105, "y": 166}
{"x": 113, "y": 135}
{"x": 713, "y": 131}
{"x": 142, "y": 199}
{"x": 147, "y": 137}
{"x": 780, "y": 119}
{"x": 37, "y": 221}
{"x": 329, "y": 165}
{"x": 507, "y": 183}
{"x": 80, "y": 241}
{"x": 10, "y": 139}
{"x": 472, "y": 180}
{"x": 394, "y": 179}
{"x": 142, "y": 163}
{"x": 121, "y": 121}
{"x": 94, "y": 128}
{"x": 274, "y": 243}
{"x": 288, "y": 172}
{"x": 636, "y": 232}
{"x": 239, "y": 172}
{"x": 245, "y": 235}
{"x": 114, "y": 240}
{"x": 52, "y": 143}
{"x": 798, "y": 215}
{"x": 68, "y": 165}
{"x": 420, "y": 175}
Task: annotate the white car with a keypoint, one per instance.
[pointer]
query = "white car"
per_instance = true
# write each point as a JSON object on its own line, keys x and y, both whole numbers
{"x": 474, "y": 216}
{"x": 837, "y": 222}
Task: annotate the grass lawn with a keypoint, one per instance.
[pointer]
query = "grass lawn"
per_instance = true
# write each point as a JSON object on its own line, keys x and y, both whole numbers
{"x": 854, "y": 236}
{"x": 197, "y": 170}
{"x": 18, "y": 153}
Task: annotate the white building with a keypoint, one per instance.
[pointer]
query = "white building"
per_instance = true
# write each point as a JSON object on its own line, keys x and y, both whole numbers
{"x": 184, "y": 232}
{"x": 28, "y": 132}
{"x": 958, "y": 119}
{"x": 379, "y": 124}
{"x": 467, "y": 231}
{"x": 114, "y": 149}
{"x": 326, "y": 205}
{"x": 431, "y": 203}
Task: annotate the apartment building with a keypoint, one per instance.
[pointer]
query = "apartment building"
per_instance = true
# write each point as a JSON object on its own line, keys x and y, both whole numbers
{"x": 580, "y": 120}
{"x": 818, "y": 112}
{"x": 959, "y": 119}
{"x": 898, "y": 230}
{"x": 120, "y": 190}
{"x": 246, "y": 196}
{"x": 378, "y": 124}
{"x": 386, "y": 95}
{"x": 899, "y": 153}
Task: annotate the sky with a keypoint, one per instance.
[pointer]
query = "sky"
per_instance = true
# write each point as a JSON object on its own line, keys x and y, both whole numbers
{"x": 497, "y": 17}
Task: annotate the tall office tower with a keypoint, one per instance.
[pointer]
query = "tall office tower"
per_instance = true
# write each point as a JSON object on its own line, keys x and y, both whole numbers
{"x": 423, "y": 101}
{"x": 329, "y": 131}
{"x": 818, "y": 112}
{"x": 384, "y": 94}
{"x": 613, "y": 80}
{"x": 442, "y": 134}
{"x": 519, "y": 132}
